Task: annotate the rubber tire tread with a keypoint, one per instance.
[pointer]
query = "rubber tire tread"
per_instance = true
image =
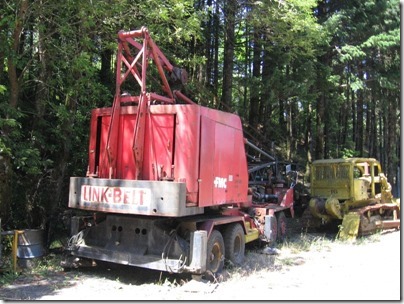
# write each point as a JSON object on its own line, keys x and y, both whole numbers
{"x": 231, "y": 233}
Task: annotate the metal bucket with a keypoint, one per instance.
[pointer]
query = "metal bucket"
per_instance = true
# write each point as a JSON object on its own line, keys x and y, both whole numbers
{"x": 30, "y": 247}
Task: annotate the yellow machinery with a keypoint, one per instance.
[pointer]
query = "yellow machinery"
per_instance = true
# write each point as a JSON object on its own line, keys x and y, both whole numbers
{"x": 15, "y": 234}
{"x": 353, "y": 192}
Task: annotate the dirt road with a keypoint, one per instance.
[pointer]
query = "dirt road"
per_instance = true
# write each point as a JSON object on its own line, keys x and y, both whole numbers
{"x": 365, "y": 270}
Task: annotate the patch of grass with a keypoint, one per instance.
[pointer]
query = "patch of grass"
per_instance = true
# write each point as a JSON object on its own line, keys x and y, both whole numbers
{"x": 305, "y": 243}
{"x": 373, "y": 238}
{"x": 8, "y": 277}
{"x": 57, "y": 244}
{"x": 296, "y": 246}
{"x": 46, "y": 265}
{"x": 288, "y": 261}
{"x": 40, "y": 267}
{"x": 293, "y": 252}
{"x": 167, "y": 282}
{"x": 256, "y": 260}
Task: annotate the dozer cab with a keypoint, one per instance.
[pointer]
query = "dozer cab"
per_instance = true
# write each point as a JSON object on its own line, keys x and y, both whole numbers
{"x": 353, "y": 193}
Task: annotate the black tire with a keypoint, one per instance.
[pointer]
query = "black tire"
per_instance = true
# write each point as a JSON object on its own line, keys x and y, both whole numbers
{"x": 282, "y": 228}
{"x": 215, "y": 253}
{"x": 234, "y": 244}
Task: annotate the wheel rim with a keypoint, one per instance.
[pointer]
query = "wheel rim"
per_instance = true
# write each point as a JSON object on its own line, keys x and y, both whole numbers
{"x": 215, "y": 257}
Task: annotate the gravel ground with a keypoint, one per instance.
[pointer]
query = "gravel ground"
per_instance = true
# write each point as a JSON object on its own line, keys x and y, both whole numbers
{"x": 365, "y": 270}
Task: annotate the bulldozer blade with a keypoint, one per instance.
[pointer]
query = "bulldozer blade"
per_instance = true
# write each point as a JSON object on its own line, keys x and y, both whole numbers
{"x": 388, "y": 224}
{"x": 350, "y": 227}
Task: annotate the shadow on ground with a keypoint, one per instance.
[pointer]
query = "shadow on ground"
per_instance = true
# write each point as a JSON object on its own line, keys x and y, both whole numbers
{"x": 30, "y": 286}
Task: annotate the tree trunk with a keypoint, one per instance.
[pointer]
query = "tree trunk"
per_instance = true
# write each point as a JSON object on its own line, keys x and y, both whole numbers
{"x": 392, "y": 127}
{"x": 6, "y": 171}
{"x": 208, "y": 47}
{"x": 42, "y": 91}
{"x": 371, "y": 127}
{"x": 3, "y": 37}
{"x": 216, "y": 26}
{"x": 230, "y": 8}
{"x": 256, "y": 72}
{"x": 320, "y": 117}
{"x": 12, "y": 58}
{"x": 106, "y": 75}
{"x": 359, "y": 116}
{"x": 354, "y": 123}
{"x": 309, "y": 138}
{"x": 289, "y": 128}
{"x": 247, "y": 71}
{"x": 265, "y": 88}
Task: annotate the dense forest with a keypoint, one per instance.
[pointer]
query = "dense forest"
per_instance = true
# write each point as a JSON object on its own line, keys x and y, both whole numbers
{"x": 310, "y": 80}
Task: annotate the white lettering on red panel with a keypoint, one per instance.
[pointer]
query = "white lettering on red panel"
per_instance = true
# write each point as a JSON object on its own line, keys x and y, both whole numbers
{"x": 220, "y": 182}
{"x": 115, "y": 195}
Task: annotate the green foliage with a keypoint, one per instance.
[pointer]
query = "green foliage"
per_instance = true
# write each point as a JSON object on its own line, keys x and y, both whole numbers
{"x": 347, "y": 153}
{"x": 335, "y": 51}
{"x": 29, "y": 160}
{"x": 384, "y": 41}
{"x": 15, "y": 144}
{"x": 351, "y": 52}
{"x": 5, "y": 142}
{"x": 8, "y": 277}
{"x": 289, "y": 26}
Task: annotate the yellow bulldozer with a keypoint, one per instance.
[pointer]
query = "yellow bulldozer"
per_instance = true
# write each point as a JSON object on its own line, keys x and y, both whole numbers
{"x": 354, "y": 194}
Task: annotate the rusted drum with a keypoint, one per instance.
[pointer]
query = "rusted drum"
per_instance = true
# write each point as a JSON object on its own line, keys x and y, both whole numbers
{"x": 30, "y": 247}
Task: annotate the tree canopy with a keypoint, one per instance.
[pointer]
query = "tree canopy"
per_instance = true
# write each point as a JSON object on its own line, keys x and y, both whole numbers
{"x": 310, "y": 80}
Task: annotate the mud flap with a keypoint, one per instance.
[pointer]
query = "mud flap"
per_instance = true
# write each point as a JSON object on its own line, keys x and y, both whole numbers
{"x": 270, "y": 228}
{"x": 350, "y": 227}
{"x": 199, "y": 251}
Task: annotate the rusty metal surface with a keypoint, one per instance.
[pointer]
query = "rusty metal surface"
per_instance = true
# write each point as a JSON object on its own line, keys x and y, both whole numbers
{"x": 378, "y": 216}
{"x": 140, "y": 241}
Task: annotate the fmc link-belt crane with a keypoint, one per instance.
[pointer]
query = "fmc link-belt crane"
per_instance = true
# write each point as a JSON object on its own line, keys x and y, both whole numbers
{"x": 167, "y": 186}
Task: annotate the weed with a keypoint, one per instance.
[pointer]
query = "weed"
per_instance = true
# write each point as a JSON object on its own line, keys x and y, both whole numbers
{"x": 7, "y": 277}
{"x": 50, "y": 263}
{"x": 305, "y": 242}
{"x": 373, "y": 238}
{"x": 286, "y": 261}
{"x": 57, "y": 244}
